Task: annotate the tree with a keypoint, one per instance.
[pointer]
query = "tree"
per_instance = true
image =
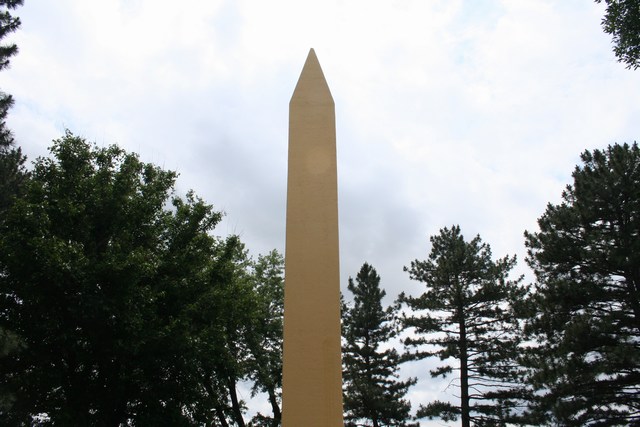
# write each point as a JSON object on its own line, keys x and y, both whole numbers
{"x": 98, "y": 274}
{"x": 265, "y": 339}
{"x": 467, "y": 314}
{"x": 586, "y": 257}
{"x": 372, "y": 392}
{"x": 8, "y": 24}
{"x": 12, "y": 170}
{"x": 239, "y": 332}
{"x": 622, "y": 21}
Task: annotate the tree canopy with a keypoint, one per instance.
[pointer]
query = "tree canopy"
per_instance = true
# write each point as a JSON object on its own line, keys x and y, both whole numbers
{"x": 586, "y": 257}
{"x": 100, "y": 305}
{"x": 127, "y": 309}
{"x": 622, "y": 21}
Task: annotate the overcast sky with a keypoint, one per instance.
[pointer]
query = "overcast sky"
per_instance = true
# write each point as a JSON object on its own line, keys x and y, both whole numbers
{"x": 448, "y": 111}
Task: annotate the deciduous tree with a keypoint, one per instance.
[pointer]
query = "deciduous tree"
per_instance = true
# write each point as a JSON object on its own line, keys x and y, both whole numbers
{"x": 98, "y": 275}
{"x": 622, "y": 21}
{"x": 265, "y": 338}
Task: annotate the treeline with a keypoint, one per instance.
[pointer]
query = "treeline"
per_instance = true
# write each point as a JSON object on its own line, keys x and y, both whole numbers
{"x": 563, "y": 351}
{"x": 118, "y": 306}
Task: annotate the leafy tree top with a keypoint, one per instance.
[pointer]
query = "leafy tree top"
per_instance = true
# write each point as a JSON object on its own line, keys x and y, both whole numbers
{"x": 622, "y": 21}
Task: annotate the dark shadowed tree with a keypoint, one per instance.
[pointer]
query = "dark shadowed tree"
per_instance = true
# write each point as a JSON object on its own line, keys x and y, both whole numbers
{"x": 265, "y": 337}
{"x": 223, "y": 318}
{"x": 373, "y": 394}
{"x": 100, "y": 267}
{"x": 12, "y": 170}
{"x": 586, "y": 257}
{"x": 8, "y": 24}
{"x": 466, "y": 315}
{"x": 622, "y": 21}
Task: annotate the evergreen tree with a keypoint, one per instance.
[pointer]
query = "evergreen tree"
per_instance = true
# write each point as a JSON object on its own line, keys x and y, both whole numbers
{"x": 12, "y": 170}
{"x": 467, "y": 314}
{"x": 586, "y": 257}
{"x": 373, "y": 395}
{"x": 8, "y": 24}
{"x": 12, "y": 166}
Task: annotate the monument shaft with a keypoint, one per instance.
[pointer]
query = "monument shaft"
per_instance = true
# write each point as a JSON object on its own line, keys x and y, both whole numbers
{"x": 312, "y": 371}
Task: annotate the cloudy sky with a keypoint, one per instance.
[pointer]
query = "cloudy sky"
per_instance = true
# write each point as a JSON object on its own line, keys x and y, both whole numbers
{"x": 448, "y": 111}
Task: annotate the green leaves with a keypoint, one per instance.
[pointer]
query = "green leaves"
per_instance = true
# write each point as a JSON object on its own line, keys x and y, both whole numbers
{"x": 97, "y": 278}
{"x": 622, "y": 21}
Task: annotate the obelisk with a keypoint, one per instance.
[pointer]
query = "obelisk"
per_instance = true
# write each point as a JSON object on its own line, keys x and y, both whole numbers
{"x": 312, "y": 371}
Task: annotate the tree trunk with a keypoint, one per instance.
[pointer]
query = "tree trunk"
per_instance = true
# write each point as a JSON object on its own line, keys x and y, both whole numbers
{"x": 212, "y": 395}
{"x": 221, "y": 416}
{"x": 277, "y": 415}
{"x": 235, "y": 404}
{"x": 633, "y": 284}
{"x": 464, "y": 373}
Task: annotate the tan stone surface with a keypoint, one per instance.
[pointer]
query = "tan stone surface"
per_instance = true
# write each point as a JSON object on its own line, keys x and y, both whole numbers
{"x": 312, "y": 374}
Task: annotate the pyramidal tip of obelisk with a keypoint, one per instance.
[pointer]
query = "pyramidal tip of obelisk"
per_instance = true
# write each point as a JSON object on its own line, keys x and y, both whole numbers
{"x": 312, "y": 87}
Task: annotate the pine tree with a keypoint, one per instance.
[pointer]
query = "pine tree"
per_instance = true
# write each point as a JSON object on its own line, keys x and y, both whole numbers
{"x": 12, "y": 170}
{"x": 586, "y": 257}
{"x": 466, "y": 314}
{"x": 372, "y": 392}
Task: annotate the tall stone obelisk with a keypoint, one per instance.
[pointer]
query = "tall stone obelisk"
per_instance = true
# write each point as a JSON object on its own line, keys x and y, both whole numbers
{"x": 312, "y": 372}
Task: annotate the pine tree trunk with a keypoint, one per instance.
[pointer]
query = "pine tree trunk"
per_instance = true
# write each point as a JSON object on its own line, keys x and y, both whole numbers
{"x": 633, "y": 284}
{"x": 464, "y": 373}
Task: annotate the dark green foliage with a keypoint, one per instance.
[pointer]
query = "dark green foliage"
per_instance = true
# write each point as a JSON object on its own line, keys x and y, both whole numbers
{"x": 622, "y": 21}
{"x": 223, "y": 319}
{"x": 8, "y": 24}
{"x": 467, "y": 314}
{"x": 97, "y": 278}
{"x": 265, "y": 340}
{"x": 12, "y": 171}
{"x": 587, "y": 320}
{"x": 238, "y": 333}
{"x": 123, "y": 308}
{"x": 373, "y": 395}
{"x": 12, "y": 176}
